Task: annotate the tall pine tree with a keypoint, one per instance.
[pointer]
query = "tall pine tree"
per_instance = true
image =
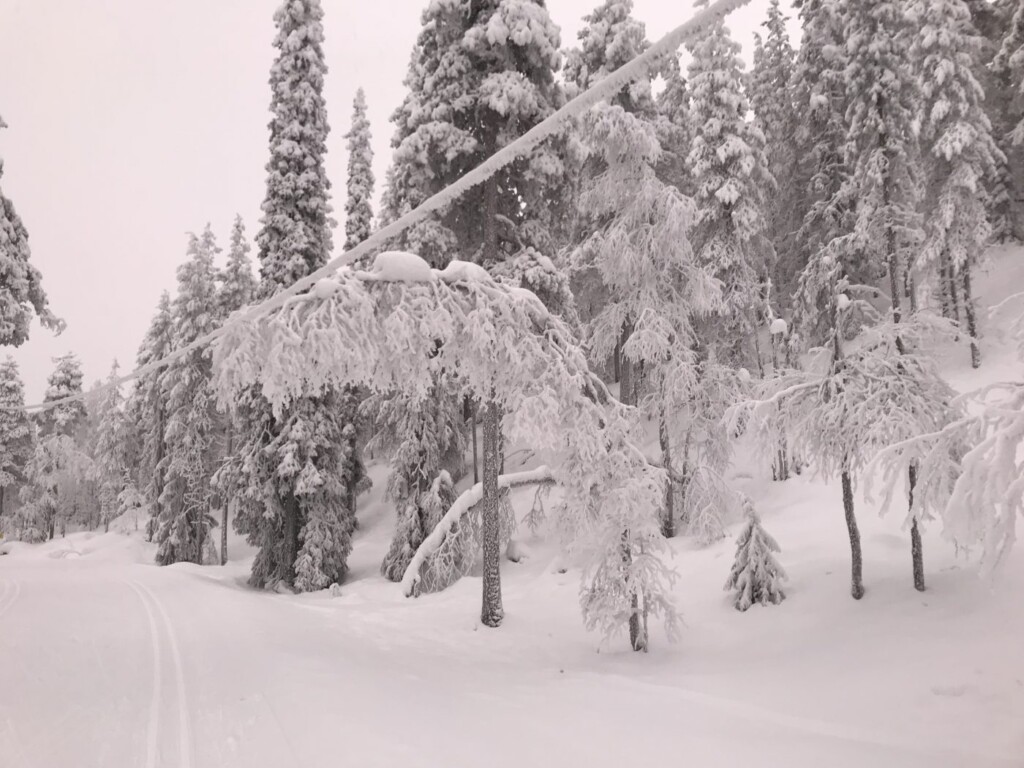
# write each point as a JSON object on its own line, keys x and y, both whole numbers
{"x": 21, "y": 287}
{"x": 16, "y": 432}
{"x": 961, "y": 152}
{"x": 359, "y": 203}
{"x": 187, "y": 466}
{"x": 288, "y": 467}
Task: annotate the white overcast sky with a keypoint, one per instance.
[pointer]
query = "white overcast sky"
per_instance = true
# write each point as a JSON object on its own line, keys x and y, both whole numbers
{"x": 133, "y": 122}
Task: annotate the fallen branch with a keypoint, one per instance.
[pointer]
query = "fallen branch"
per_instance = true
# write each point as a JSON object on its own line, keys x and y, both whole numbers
{"x": 469, "y": 498}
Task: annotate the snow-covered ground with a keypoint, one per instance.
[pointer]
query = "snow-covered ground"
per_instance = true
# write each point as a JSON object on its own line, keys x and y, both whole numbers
{"x": 106, "y": 660}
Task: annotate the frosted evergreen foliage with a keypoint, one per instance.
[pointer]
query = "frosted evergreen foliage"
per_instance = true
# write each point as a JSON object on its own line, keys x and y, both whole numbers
{"x": 109, "y": 454}
{"x": 65, "y": 381}
{"x": 147, "y": 405}
{"x": 478, "y": 78}
{"x": 359, "y": 203}
{"x": 21, "y": 287}
{"x": 426, "y": 439}
{"x": 1010, "y": 61}
{"x": 16, "y": 432}
{"x": 187, "y": 465}
{"x": 287, "y": 472}
{"x": 756, "y": 575}
{"x": 295, "y": 234}
{"x": 771, "y": 99}
{"x": 881, "y": 138}
{"x": 237, "y": 281}
{"x": 611, "y": 38}
{"x": 494, "y": 341}
{"x": 731, "y": 175}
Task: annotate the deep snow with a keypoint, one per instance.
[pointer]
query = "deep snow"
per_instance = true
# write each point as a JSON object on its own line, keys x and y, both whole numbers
{"x": 106, "y": 660}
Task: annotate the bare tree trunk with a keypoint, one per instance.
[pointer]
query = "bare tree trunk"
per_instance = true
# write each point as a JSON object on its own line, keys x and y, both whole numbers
{"x": 916, "y": 551}
{"x": 616, "y": 360}
{"x": 290, "y": 547}
{"x": 668, "y": 520}
{"x": 492, "y": 611}
{"x": 972, "y": 321}
{"x": 3, "y": 499}
{"x": 476, "y": 459}
{"x": 857, "y": 562}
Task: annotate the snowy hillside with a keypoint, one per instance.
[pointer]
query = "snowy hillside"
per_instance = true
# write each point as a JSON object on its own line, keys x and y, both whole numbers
{"x": 107, "y": 660}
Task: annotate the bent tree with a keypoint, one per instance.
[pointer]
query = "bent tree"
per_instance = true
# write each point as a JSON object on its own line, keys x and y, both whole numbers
{"x": 396, "y": 327}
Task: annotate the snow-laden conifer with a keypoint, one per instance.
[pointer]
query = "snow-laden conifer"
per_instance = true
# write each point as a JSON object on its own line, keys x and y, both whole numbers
{"x": 731, "y": 179}
{"x": 187, "y": 466}
{"x": 21, "y": 287}
{"x": 962, "y": 153}
{"x": 16, "y": 432}
{"x": 756, "y": 575}
{"x": 109, "y": 453}
{"x": 359, "y": 203}
{"x": 287, "y": 467}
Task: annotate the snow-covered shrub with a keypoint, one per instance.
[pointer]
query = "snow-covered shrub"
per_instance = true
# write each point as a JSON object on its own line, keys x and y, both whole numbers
{"x": 756, "y": 574}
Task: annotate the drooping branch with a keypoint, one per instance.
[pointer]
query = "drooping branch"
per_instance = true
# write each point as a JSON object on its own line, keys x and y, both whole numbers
{"x": 469, "y": 498}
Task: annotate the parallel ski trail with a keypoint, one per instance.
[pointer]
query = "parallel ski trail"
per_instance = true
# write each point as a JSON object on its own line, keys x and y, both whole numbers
{"x": 184, "y": 726}
{"x": 153, "y": 729}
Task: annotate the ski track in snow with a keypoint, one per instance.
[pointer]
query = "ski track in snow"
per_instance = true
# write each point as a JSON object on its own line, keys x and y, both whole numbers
{"x": 150, "y": 602}
{"x": 9, "y": 595}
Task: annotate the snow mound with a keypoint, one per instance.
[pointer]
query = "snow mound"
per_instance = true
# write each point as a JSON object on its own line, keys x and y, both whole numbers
{"x": 464, "y": 272}
{"x": 325, "y": 288}
{"x": 842, "y": 301}
{"x": 778, "y": 327}
{"x": 401, "y": 267}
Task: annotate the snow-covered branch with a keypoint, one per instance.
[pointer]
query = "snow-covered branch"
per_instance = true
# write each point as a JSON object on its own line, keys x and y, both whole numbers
{"x": 469, "y": 498}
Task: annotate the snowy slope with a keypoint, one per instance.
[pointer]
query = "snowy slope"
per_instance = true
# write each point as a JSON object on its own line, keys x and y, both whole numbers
{"x": 106, "y": 660}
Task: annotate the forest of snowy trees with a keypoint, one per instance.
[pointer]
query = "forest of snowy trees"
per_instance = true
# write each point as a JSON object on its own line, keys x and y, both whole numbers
{"x": 712, "y": 255}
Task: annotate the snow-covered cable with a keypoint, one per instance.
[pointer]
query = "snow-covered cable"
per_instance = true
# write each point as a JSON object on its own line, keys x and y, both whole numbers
{"x": 605, "y": 89}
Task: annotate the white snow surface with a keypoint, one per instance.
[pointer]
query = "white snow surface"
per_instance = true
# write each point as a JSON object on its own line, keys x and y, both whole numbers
{"x": 464, "y": 271}
{"x": 401, "y": 267}
{"x": 107, "y": 660}
{"x": 778, "y": 327}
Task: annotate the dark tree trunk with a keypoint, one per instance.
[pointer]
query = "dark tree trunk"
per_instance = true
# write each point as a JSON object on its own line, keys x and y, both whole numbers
{"x": 290, "y": 545}
{"x": 953, "y": 293}
{"x": 476, "y": 458}
{"x": 972, "y": 320}
{"x": 857, "y": 563}
{"x": 616, "y": 360}
{"x": 916, "y": 551}
{"x": 491, "y": 612}
{"x": 668, "y": 520}
{"x": 3, "y": 499}
{"x": 224, "y": 534}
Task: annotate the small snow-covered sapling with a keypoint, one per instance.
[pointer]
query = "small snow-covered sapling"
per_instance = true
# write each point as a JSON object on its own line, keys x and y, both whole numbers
{"x": 756, "y": 574}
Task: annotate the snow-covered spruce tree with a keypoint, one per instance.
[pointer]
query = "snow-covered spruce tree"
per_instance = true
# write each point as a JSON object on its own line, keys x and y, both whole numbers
{"x": 110, "y": 458}
{"x": 675, "y": 127}
{"x": 656, "y": 291}
{"x": 287, "y": 467}
{"x": 21, "y": 288}
{"x": 359, "y": 203}
{"x": 756, "y": 574}
{"x": 17, "y": 435}
{"x": 480, "y": 75}
{"x": 820, "y": 95}
{"x": 610, "y": 39}
{"x": 961, "y": 152}
{"x": 237, "y": 288}
{"x": 66, "y": 381}
{"x": 426, "y": 441}
{"x": 58, "y": 468}
{"x": 146, "y": 412}
{"x": 187, "y": 466}
{"x": 771, "y": 99}
{"x": 1010, "y": 60}
{"x": 731, "y": 176}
